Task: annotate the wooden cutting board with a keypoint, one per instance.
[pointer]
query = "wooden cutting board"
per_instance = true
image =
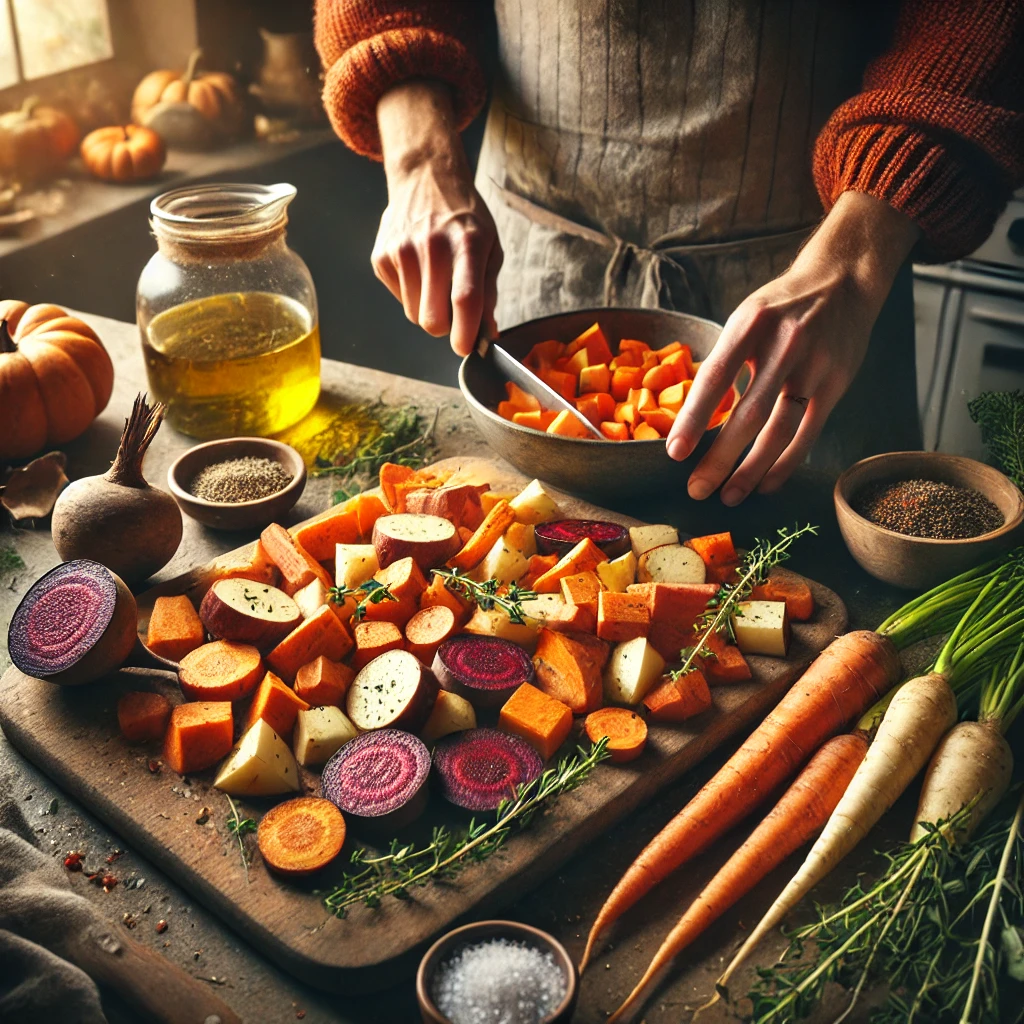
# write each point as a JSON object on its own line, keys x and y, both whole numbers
{"x": 71, "y": 734}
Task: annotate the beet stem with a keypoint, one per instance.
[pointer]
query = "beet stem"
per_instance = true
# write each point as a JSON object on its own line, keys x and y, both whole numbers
{"x": 139, "y": 430}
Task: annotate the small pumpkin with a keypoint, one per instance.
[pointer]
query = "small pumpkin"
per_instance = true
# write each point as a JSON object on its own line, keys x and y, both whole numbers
{"x": 55, "y": 377}
{"x": 214, "y": 94}
{"x": 123, "y": 153}
{"x": 35, "y": 140}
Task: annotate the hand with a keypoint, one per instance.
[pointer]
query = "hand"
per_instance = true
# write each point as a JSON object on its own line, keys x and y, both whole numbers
{"x": 805, "y": 335}
{"x": 437, "y": 249}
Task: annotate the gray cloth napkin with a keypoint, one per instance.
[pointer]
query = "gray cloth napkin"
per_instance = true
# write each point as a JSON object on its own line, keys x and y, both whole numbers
{"x": 40, "y": 919}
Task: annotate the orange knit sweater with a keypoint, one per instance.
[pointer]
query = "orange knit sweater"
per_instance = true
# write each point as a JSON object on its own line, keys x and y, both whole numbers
{"x": 938, "y": 132}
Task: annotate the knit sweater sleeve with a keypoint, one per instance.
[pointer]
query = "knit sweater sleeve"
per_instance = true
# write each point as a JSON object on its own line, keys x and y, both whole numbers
{"x": 367, "y": 46}
{"x": 938, "y": 132}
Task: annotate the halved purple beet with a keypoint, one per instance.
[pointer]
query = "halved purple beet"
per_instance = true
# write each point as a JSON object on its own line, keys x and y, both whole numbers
{"x": 479, "y": 768}
{"x": 560, "y": 536}
{"x": 486, "y": 670}
{"x": 379, "y": 778}
{"x": 75, "y": 624}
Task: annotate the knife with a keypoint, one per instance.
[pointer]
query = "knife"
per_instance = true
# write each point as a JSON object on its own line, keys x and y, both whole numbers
{"x": 525, "y": 378}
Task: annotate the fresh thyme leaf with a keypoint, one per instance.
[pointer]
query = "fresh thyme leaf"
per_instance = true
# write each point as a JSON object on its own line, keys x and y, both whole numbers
{"x": 370, "y": 592}
{"x": 403, "y": 868}
{"x": 1000, "y": 414}
{"x": 346, "y": 491}
{"x": 489, "y": 594}
{"x": 754, "y": 569}
{"x": 240, "y": 827}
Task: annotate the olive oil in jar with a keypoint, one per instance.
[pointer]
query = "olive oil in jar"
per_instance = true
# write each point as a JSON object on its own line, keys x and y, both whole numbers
{"x": 234, "y": 364}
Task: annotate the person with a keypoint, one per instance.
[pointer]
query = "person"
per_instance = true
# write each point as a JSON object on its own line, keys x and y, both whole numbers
{"x": 769, "y": 164}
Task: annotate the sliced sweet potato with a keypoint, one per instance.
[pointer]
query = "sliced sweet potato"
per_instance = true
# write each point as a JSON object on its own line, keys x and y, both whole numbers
{"x": 614, "y": 431}
{"x": 321, "y": 634}
{"x": 596, "y": 379}
{"x": 427, "y": 630}
{"x": 458, "y": 503}
{"x": 567, "y": 670}
{"x": 584, "y": 557}
{"x": 582, "y": 590}
{"x": 390, "y": 476}
{"x": 541, "y": 419}
{"x": 222, "y": 670}
{"x": 537, "y": 566}
{"x": 174, "y": 628}
{"x": 278, "y": 705}
{"x": 373, "y": 639}
{"x": 623, "y": 728}
{"x": 322, "y": 682}
{"x": 297, "y": 566}
{"x": 594, "y": 342}
{"x": 404, "y": 579}
{"x": 676, "y": 700}
{"x": 143, "y": 716}
{"x": 537, "y": 717}
{"x": 519, "y": 399}
{"x": 495, "y": 523}
{"x": 567, "y": 425}
{"x": 320, "y": 537}
{"x": 198, "y": 736}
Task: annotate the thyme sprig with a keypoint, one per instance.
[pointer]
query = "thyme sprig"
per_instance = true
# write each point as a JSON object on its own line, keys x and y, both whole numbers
{"x": 489, "y": 594}
{"x": 941, "y": 926}
{"x": 239, "y": 827}
{"x": 405, "y": 866}
{"x": 370, "y": 592}
{"x": 754, "y": 569}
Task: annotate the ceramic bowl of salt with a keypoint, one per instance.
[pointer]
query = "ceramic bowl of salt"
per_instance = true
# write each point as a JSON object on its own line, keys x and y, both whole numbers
{"x": 497, "y": 970}
{"x": 238, "y": 483}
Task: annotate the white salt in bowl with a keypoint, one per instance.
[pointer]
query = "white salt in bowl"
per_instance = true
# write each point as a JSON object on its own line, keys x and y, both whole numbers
{"x": 472, "y": 934}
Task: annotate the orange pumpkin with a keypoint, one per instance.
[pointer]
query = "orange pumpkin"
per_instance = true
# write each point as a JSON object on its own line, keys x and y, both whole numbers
{"x": 124, "y": 153}
{"x": 215, "y": 94}
{"x": 35, "y": 140}
{"x": 55, "y": 377}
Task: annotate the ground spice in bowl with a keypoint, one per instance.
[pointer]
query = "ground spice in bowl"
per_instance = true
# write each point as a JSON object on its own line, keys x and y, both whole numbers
{"x": 928, "y": 508}
{"x": 244, "y": 479}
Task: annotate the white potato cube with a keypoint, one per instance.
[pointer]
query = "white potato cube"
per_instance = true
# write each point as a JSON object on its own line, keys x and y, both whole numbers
{"x": 260, "y": 765}
{"x": 643, "y": 538}
{"x": 761, "y": 627}
{"x": 619, "y": 573}
{"x": 633, "y": 670}
{"x": 534, "y": 505}
{"x": 311, "y": 598}
{"x": 671, "y": 563}
{"x": 354, "y": 564}
{"x": 528, "y": 543}
{"x": 502, "y": 562}
{"x": 540, "y": 609}
{"x": 451, "y": 713}
{"x": 320, "y": 733}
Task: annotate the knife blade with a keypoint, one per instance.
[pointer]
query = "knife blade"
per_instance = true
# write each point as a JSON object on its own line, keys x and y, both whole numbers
{"x": 524, "y": 377}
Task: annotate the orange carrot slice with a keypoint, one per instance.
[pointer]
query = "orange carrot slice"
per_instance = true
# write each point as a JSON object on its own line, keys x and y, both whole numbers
{"x": 624, "y": 729}
{"x": 301, "y": 836}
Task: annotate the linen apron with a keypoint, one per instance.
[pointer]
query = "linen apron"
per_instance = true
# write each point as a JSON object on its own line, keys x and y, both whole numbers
{"x": 657, "y": 154}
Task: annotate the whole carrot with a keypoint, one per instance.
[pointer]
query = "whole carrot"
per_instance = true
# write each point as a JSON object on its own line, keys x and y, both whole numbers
{"x": 846, "y": 678}
{"x": 794, "y": 820}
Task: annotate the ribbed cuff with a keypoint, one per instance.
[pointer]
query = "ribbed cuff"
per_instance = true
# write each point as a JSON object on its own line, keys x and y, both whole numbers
{"x": 952, "y": 179}
{"x": 357, "y": 80}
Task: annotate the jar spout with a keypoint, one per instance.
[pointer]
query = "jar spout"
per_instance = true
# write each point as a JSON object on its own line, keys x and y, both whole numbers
{"x": 275, "y": 199}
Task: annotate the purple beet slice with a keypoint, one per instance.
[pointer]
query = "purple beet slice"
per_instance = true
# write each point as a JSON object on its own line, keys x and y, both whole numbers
{"x": 479, "y": 768}
{"x": 379, "y": 778}
{"x": 560, "y": 536}
{"x": 486, "y": 670}
{"x": 75, "y": 624}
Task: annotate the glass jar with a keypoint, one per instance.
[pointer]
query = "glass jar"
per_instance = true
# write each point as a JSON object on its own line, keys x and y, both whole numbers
{"x": 227, "y": 312}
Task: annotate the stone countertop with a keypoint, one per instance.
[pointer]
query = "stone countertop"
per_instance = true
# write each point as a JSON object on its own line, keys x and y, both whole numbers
{"x": 567, "y": 902}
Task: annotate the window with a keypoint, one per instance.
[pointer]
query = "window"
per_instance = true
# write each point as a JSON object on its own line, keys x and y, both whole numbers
{"x": 44, "y": 37}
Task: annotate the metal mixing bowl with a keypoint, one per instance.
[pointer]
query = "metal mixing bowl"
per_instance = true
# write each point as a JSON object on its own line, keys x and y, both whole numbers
{"x": 589, "y": 468}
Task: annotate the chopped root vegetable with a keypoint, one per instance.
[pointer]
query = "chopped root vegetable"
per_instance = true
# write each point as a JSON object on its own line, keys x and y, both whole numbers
{"x": 174, "y": 628}
{"x": 788, "y": 587}
{"x": 625, "y": 730}
{"x": 320, "y": 537}
{"x": 198, "y": 735}
{"x": 320, "y": 634}
{"x": 485, "y": 670}
{"x": 222, "y": 670}
{"x": 297, "y": 566}
{"x": 427, "y": 630}
{"x": 277, "y": 705}
{"x": 253, "y": 564}
{"x": 479, "y": 768}
{"x": 569, "y": 669}
{"x": 794, "y": 820}
{"x": 143, "y": 716}
{"x": 849, "y": 675}
{"x": 301, "y": 836}
{"x": 622, "y": 616}
{"x": 495, "y": 523}
{"x": 920, "y": 713}
{"x": 323, "y": 682}
{"x": 538, "y": 718}
{"x": 374, "y": 639}
{"x": 676, "y": 700}
{"x": 584, "y": 557}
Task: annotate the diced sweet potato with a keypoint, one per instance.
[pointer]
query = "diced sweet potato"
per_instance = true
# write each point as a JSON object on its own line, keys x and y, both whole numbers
{"x": 458, "y": 503}
{"x": 624, "y": 379}
{"x": 519, "y": 398}
{"x": 622, "y": 616}
{"x": 320, "y": 537}
{"x": 278, "y": 705}
{"x": 495, "y": 523}
{"x": 253, "y": 564}
{"x": 560, "y": 381}
{"x": 660, "y": 419}
{"x": 427, "y": 630}
{"x": 544, "y": 353}
{"x": 536, "y": 567}
{"x": 540, "y": 719}
{"x": 567, "y": 425}
{"x": 321, "y": 634}
{"x": 404, "y": 578}
{"x": 568, "y": 670}
{"x": 674, "y": 608}
{"x": 596, "y": 380}
{"x": 143, "y": 716}
{"x": 584, "y": 557}
{"x": 174, "y": 628}
{"x": 368, "y": 509}
{"x": 727, "y": 664}
{"x": 594, "y": 342}
{"x": 438, "y": 594}
{"x": 323, "y": 682}
{"x": 297, "y": 566}
{"x": 198, "y": 736}
{"x": 675, "y": 700}
{"x": 672, "y": 398}
{"x": 614, "y": 431}
{"x": 645, "y": 432}
{"x": 373, "y": 639}
{"x": 582, "y": 589}
{"x": 539, "y": 420}
{"x": 794, "y": 591}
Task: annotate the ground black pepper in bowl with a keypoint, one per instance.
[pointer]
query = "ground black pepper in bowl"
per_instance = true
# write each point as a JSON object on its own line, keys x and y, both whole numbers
{"x": 236, "y": 480}
{"x": 928, "y": 508}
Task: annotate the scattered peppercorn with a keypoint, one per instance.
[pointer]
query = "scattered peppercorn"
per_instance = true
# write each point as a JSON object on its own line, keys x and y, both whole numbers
{"x": 235, "y": 480}
{"x": 161, "y": 926}
{"x": 928, "y": 508}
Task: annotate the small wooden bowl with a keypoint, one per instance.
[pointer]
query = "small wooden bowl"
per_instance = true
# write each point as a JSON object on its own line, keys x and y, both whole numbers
{"x": 479, "y": 932}
{"x": 237, "y": 515}
{"x": 918, "y": 563}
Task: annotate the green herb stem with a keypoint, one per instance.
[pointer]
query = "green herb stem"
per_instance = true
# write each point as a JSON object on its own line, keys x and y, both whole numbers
{"x": 489, "y": 594}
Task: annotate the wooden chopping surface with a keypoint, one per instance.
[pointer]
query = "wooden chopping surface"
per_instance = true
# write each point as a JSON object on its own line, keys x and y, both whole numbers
{"x": 71, "y": 734}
